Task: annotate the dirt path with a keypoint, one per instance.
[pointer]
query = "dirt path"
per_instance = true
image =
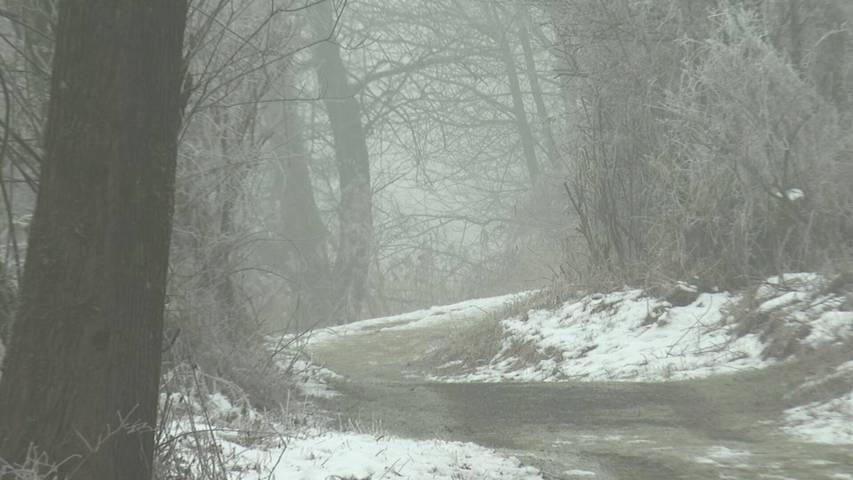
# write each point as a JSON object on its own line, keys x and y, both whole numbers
{"x": 720, "y": 428}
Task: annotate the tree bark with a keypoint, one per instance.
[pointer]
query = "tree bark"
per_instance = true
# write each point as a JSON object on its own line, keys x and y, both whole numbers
{"x": 353, "y": 162}
{"x": 528, "y": 143}
{"x": 305, "y": 255}
{"x": 82, "y": 371}
{"x": 535, "y": 87}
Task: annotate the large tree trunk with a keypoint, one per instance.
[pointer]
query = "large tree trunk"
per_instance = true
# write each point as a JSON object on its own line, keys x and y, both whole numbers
{"x": 83, "y": 364}
{"x": 535, "y": 88}
{"x": 528, "y": 143}
{"x": 306, "y": 258}
{"x": 356, "y": 217}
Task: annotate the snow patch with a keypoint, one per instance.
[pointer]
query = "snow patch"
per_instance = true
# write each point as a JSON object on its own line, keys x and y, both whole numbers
{"x": 622, "y": 336}
{"x": 310, "y": 379}
{"x": 829, "y": 422}
{"x": 800, "y": 300}
{"x": 630, "y": 336}
{"x": 254, "y": 448}
{"x": 579, "y": 473}
{"x": 719, "y": 455}
{"x": 463, "y": 311}
{"x": 359, "y": 456}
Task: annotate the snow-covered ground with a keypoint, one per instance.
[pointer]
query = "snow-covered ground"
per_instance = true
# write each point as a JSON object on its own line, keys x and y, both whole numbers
{"x": 829, "y": 422}
{"x": 360, "y": 456}
{"x": 804, "y": 300}
{"x": 310, "y": 379}
{"x": 621, "y": 336}
{"x": 467, "y": 311}
{"x": 624, "y": 335}
{"x": 219, "y": 440}
{"x": 718, "y": 454}
{"x": 627, "y": 335}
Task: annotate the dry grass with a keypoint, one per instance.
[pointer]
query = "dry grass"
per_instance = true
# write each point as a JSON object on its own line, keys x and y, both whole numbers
{"x": 781, "y": 335}
{"x": 825, "y": 381}
{"x": 475, "y": 344}
{"x": 468, "y": 346}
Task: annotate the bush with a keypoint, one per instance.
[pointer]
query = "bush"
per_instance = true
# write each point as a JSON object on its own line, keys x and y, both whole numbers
{"x": 730, "y": 171}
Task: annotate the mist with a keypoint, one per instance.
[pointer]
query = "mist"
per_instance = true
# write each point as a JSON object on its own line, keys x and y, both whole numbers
{"x": 461, "y": 239}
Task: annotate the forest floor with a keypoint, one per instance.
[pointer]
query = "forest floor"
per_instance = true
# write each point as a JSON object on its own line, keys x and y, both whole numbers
{"x": 734, "y": 425}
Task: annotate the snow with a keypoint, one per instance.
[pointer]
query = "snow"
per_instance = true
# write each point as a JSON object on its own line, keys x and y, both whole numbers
{"x": 829, "y": 327}
{"x": 220, "y": 404}
{"x": 829, "y": 422}
{"x": 310, "y": 379}
{"x": 792, "y": 194}
{"x": 799, "y": 299}
{"x": 775, "y": 283}
{"x": 430, "y": 317}
{"x": 579, "y": 473}
{"x": 315, "y": 455}
{"x": 781, "y": 301}
{"x": 718, "y": 455}
{"x": 625, "y": 335}
{"x": 622, "y": 336}
{"x": 361, "y": 456}
{"x": 630, "y": 336}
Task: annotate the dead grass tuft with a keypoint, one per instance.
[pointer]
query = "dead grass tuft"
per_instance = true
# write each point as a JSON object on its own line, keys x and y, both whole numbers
{"x": 475, "y": 344}
{"x": 469, "y": 346}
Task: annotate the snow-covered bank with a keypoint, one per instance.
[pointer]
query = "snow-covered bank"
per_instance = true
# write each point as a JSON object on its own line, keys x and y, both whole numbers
{"x": 310, "y": 379}
{"x": 629, "y": 335}
{"x": 621, "y": 336}
{"x": 467, "y": 311}
{"x": 220, "y": 440}
{"x": 829, "y": 422}
{"x": 803, "y": 308}
{"x": 360, "y": 456}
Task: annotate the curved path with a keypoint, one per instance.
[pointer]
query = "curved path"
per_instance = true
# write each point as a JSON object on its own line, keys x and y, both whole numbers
{"x": 726, "y": 427}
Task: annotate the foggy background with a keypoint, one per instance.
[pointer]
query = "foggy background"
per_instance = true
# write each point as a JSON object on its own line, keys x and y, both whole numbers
{"x": 350, "y": 159}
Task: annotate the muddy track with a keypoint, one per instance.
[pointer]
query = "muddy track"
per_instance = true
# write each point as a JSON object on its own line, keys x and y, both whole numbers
{"x": 724, "y": 427}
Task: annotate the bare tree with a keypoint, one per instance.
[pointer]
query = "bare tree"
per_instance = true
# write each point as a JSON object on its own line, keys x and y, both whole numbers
{"x": 353, "y": 164}
{"x": 82, "y": 371}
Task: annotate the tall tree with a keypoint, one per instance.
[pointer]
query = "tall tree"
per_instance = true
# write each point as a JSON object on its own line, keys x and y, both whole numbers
{"x": 525, "y": 133}
{"x": 353, "y": 163}
{"x": 82, "y": 370}
{"x": 306, "y": 257}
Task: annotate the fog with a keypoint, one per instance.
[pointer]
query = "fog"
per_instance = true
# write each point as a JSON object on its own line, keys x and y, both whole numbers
{"x": 584, "y": 238}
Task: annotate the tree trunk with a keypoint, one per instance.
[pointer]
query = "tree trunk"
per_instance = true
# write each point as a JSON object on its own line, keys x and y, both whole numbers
{"x": 82, "y": 371}
{"x": 535, "y": 87}
{"x": 528, "y": 143}
{"x": 306, "y": 258}
{"x": 220, "y": 264}
{"x": 356, "y": 218}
